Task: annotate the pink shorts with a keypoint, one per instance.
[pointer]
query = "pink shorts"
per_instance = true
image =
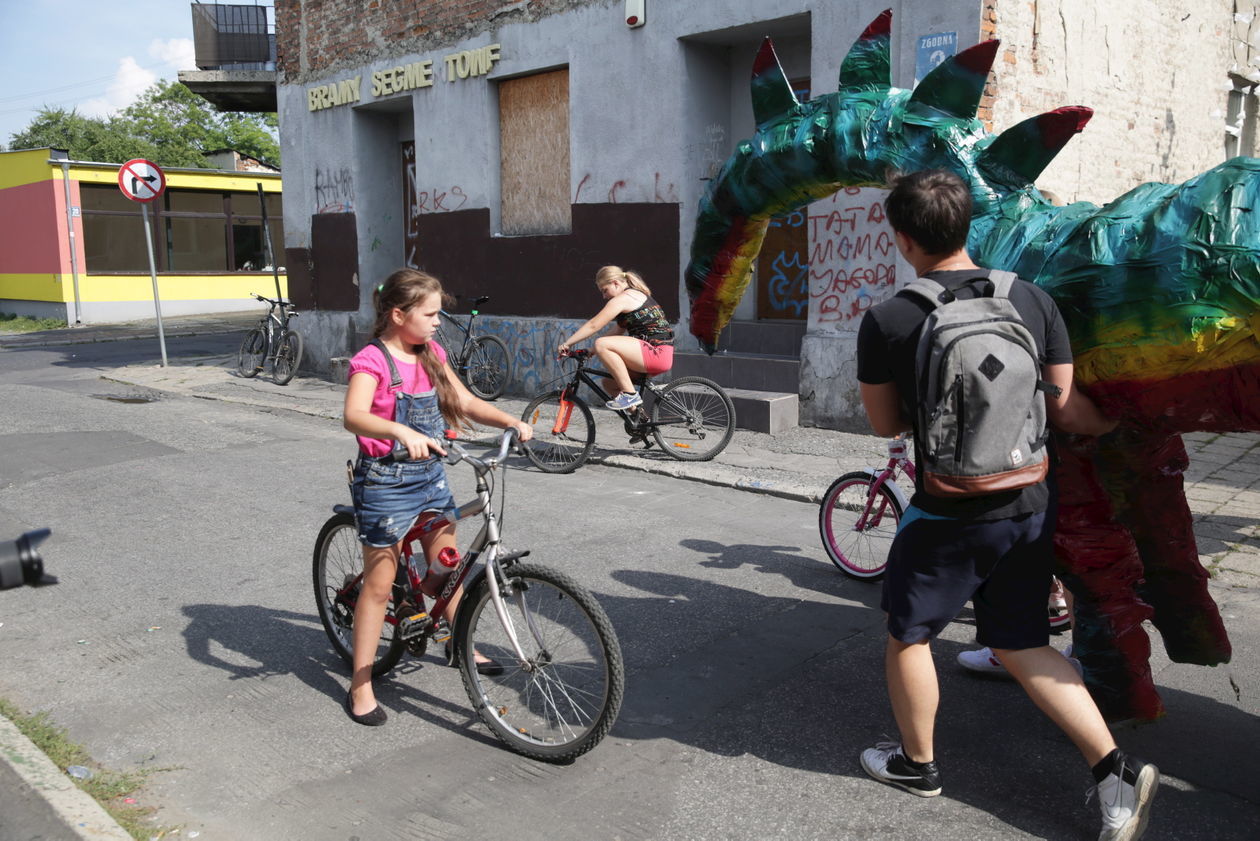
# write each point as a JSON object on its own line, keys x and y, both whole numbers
{"x": 657, "y": 359}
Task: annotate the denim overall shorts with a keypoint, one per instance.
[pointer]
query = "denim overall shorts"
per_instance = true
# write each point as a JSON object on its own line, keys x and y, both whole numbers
{"x": 390, "y": 496}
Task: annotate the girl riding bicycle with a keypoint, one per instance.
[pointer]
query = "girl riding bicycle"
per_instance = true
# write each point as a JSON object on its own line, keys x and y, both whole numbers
{"x": 402, "y": 390}
{"x": 642, "y": 340}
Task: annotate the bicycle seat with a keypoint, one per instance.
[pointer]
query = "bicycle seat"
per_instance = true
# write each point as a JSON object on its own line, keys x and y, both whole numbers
{"x": 480, "y": 300}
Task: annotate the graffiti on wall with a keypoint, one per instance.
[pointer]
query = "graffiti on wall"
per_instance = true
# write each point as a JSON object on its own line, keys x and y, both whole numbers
{"x": 852, "y": 258}
{"x": 663, "y": 192}
{"x": 334, "y": 190}
{"x": 783, "y": 268}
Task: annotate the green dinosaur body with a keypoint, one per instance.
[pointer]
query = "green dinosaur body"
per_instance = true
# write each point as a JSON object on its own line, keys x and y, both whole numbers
{"x": 1160, "y": 290}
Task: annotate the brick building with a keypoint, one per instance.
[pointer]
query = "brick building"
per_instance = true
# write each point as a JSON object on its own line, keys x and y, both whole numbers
{"x": 513, "y": 148}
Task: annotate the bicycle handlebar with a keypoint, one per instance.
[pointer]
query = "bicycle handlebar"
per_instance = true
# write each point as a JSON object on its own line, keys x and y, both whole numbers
{"x": 576, "y": 353}
{"x": 273, "y": 301}
{"x": 455, "y": 452}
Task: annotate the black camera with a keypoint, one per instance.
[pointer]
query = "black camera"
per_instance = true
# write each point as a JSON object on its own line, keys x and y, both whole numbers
{"x": 20, "y": 562}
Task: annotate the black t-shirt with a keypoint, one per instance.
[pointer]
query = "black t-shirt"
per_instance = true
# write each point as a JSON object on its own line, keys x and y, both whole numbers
{"x": 888, "y": 340}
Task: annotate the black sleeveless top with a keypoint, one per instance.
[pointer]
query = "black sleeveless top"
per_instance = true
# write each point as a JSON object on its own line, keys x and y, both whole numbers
{"x": 647, "y": 323}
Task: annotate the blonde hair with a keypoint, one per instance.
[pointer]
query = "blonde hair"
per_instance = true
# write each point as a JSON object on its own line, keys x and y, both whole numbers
{"x": 609, "y": 274}
{"x": 403, "y": 290}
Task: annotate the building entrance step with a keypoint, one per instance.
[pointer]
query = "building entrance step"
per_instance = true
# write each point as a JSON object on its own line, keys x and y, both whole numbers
{"x": 765, "y": 411}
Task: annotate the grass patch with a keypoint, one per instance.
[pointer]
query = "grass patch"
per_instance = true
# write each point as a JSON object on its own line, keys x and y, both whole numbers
{"x": 109, "y": 788}
{"x": 10, "y": 323}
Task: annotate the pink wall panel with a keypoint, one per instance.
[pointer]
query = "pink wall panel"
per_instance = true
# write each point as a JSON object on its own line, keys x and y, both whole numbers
{"x": 33, "y": 222}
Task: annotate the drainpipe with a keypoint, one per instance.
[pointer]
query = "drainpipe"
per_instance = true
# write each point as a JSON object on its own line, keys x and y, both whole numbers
{"x": 63, "y": 157}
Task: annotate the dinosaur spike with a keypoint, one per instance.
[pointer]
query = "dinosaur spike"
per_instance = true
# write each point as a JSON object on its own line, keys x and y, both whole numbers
{"x": 772, "y": 95}
{"x": 956, "y": 84}
{"x": 867, "y": 66}
{"x": 1028, "y": 148}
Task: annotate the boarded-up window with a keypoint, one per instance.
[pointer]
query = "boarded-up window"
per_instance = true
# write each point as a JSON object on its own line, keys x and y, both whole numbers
{"x": 534, "y": 150}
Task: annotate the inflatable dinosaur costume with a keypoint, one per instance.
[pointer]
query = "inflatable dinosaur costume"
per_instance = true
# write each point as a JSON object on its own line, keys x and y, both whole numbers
{"x": 1160, "y": 290}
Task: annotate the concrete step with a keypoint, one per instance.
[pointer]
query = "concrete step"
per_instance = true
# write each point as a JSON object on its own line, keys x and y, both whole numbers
{"x": 777, "y": 338}
{"x": 756, "y": 372}
{"x": 765, "y": 411}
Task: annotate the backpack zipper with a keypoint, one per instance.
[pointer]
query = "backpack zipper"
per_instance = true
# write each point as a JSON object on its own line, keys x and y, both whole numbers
{"x": 962, "y": 418}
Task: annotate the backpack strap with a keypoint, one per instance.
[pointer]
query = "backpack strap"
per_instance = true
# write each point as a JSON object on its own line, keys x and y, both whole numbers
{"x": 927, "y": 289}
{"x": 395, "y": 380}
{"x": 1002, "y": 282}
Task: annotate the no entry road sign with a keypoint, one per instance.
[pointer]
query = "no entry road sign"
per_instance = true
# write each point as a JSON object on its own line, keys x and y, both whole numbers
{"x": 141, "y": 180}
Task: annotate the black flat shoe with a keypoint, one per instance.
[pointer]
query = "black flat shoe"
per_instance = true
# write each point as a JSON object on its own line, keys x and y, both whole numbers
{"x": 490, "y": 668}
{"x": 375, "y": 718}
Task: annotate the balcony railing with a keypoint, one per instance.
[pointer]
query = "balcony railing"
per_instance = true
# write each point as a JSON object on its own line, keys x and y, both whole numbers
{"x": 234, "y": 36}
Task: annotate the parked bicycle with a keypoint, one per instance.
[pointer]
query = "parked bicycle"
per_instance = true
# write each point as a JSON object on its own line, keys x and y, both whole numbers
{"x": 563, "y": 678}
{"x": 272, "y": 341}
{"x": 689, "y": 418}
{"x": 860, "y": 513}
{"x": 482, "y": 362}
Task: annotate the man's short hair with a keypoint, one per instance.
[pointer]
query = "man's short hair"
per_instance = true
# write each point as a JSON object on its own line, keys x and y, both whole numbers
{"x": 933, "y": 208}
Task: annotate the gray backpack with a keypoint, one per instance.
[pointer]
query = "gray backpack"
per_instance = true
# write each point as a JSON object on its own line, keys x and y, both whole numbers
{"x": 982, "y": 409}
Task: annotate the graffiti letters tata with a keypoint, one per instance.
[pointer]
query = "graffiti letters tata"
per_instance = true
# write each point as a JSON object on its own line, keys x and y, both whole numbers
{"x": 852, "y": 258}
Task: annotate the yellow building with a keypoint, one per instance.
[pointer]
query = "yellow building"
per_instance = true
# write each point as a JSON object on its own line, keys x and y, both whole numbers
{"x": 73, "y": 244}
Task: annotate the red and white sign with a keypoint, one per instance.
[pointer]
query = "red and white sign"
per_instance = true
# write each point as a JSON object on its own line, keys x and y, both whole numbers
{"x": 141, "y": 180}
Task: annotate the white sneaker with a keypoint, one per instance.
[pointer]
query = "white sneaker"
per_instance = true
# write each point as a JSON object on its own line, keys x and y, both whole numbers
{"x": 983, "y": 661}
{"x": 624, "y": 401}
{"x": 986, "y": 662}
{"x": 1125, "y": 799}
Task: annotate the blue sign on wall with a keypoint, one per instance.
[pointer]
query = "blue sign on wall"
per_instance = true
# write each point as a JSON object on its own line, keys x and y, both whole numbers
{"x": 933, "y": 49}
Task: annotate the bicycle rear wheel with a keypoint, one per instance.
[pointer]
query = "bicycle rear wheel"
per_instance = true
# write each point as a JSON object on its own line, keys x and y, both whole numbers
{"x": 693, "y": 419}
{"x": 562, "y": 701}
{"x": 337, "y": 569}
{"x": 288, "y": 357}
{"x": 487, "y": 367}
{"x": 249, "y": 359}
{"x": 564, "y": 434}
{"x": 861, "y": 552}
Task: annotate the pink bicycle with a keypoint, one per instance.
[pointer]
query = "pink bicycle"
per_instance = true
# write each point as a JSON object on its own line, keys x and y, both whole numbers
{"x": 860, "y": 511}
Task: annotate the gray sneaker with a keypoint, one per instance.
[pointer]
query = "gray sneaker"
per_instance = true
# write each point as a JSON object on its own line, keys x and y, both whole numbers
{"x": 1125, "y": 798}
{"x": 624, "y": 401}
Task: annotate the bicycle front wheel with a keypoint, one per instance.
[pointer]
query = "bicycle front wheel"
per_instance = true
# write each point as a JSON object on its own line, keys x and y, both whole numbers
{"x": 249, "y": 360}
{"x": 858, "y": 527}
{"x": 563, "y": 698}
{"x": 487, "y": 367}
{"x": 288, "y": 357}
{"x": 564, "y": 433}
{"x": 693, "y": 419}
{"x": 338, "y": 569}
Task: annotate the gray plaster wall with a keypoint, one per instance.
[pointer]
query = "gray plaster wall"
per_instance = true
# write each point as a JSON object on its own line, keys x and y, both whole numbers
{"x": 654, "y": 111}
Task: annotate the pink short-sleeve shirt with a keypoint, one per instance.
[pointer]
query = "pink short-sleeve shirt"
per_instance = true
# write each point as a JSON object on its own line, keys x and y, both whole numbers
{"x": 371, "y": 361}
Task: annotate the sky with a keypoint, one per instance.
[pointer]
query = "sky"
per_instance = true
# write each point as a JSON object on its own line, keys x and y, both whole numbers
{"x": 96, "y": 56}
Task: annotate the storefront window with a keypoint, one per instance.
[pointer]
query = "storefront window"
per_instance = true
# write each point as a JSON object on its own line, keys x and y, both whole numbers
{"x": 194, "y": 231}
{"x": 195, "y": 245}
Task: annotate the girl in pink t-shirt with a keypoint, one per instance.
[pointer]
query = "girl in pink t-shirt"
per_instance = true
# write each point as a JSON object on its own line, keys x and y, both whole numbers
{"x": 402, "y": 390}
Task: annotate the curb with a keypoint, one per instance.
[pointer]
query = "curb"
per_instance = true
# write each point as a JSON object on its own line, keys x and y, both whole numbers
{"x": 58, "y": 341}
{"x": 64, "y": 803}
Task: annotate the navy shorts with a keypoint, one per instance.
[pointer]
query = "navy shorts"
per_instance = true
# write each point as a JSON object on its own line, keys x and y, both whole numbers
{"x": 390, "y": 496}
{"x": 1002, "y": 566}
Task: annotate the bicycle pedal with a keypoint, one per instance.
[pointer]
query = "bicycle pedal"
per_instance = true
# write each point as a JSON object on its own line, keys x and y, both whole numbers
{"x": 414, "y": 626}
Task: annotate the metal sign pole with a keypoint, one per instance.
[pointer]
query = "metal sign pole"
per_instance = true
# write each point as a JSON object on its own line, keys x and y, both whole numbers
{"x": 271, "y": 258}
{"x": 157, "y": 304}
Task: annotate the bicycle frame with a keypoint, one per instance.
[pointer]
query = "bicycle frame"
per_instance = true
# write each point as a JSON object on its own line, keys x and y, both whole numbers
{"x": 635, "y": 416}
{"x": 274, "y": 325}
{"x": 450, "y": 318}
{"x": 887, "y": 477}
{"x": 486, "y": 543}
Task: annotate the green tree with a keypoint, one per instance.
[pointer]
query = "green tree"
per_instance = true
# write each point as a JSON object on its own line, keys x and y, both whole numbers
{"x": 168, "y": 124}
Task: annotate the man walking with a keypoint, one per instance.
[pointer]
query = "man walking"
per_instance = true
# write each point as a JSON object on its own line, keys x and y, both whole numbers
{"x": 972, "y": 538}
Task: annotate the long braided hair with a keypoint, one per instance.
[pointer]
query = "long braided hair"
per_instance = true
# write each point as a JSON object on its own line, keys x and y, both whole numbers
{"x": 403, "y": 290}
